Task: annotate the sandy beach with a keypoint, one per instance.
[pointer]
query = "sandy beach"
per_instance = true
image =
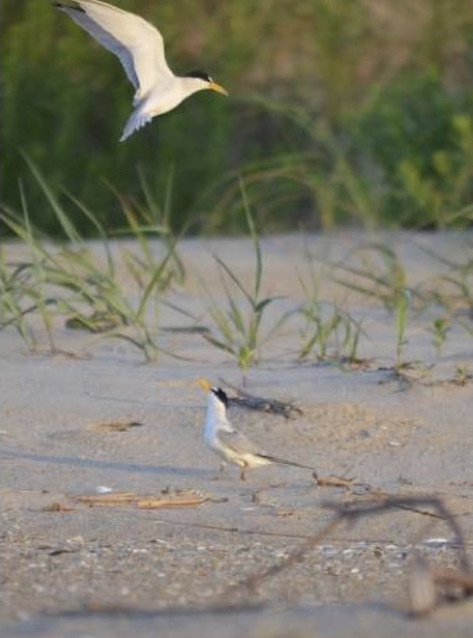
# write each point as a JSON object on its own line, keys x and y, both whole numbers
{"x": 73, "y": 567}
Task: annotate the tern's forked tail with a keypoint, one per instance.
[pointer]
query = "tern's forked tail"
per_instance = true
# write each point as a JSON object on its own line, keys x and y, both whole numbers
{"x": 276, "y": 459}
{"x": 137, "y": 120}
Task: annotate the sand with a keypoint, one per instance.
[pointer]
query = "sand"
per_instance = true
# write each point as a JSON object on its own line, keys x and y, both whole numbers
{"x": 72, "y": 569}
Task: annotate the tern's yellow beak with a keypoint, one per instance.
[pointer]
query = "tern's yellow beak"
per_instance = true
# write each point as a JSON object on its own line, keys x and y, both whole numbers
{"x": 213, "y": 86}
{"x": 204, "y": 384}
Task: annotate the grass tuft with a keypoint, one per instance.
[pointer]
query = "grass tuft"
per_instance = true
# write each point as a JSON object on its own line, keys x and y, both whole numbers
{"x": 73, "y": 281}
{"x": 237, "y": 325}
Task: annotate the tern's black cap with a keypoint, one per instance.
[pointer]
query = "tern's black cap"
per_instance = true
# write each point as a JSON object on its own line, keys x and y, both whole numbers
{"x": 199, "y": 74}
{"x": 220, "y": 394}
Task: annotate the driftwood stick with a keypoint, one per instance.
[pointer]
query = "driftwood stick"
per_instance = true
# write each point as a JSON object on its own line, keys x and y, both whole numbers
{"x": 250, "y": 401}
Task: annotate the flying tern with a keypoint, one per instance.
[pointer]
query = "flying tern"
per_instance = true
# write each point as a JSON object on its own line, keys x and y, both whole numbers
{"x": 140, "y": 49}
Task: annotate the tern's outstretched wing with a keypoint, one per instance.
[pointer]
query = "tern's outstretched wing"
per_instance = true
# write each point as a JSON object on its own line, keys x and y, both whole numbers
{"x": 138, "y": 45}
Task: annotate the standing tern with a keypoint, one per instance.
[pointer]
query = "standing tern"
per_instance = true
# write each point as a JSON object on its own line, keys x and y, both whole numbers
{"x": 140, "y": 48}
{"x": 230, "y": 444}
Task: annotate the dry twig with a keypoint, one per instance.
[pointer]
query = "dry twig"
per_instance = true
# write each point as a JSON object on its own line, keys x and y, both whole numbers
{"x": 113, "y": 426}
{"x": 424, "y": 581}
{"x": 180, "y": 498}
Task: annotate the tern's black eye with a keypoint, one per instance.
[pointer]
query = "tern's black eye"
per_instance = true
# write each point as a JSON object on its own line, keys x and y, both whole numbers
{"x": 220, "y": 394}
{"x": 199, "y": 74}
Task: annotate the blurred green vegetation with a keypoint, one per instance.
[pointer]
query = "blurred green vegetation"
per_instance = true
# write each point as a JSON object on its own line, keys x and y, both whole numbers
{"x": 340, "y": 112}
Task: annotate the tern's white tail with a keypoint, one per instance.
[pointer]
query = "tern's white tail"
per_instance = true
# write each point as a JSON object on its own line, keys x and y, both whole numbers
{"x": 137, "y": 120}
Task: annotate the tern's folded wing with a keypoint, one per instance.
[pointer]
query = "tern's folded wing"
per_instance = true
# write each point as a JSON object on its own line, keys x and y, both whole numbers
{"x": 237, "y": 442}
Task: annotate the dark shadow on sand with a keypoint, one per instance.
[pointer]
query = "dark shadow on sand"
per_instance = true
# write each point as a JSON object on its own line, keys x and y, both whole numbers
{"x": 137, "y": 468}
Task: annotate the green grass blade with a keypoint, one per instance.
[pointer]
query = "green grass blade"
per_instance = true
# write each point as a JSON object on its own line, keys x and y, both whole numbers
{"x": 67, "y": 226}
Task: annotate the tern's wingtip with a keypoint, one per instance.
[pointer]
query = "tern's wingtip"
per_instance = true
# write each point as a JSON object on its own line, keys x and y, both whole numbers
{"x": 68, "y": 8}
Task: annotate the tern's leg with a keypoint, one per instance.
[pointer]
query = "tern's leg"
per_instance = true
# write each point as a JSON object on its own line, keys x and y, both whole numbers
{"x": 242, "y": 473}
{"x": 221, "y": 471}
